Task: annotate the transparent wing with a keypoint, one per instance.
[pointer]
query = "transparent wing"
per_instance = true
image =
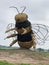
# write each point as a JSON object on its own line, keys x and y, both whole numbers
{"x": 10, "y": 26}
{"x": 42, "y": 33}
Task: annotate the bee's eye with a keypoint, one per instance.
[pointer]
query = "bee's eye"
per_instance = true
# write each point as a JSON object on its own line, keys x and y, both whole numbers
{"x": 18, "y": 19}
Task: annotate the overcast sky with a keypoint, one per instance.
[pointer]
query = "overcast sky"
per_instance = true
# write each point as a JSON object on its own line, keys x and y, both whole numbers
{"x": 37, "y": 10}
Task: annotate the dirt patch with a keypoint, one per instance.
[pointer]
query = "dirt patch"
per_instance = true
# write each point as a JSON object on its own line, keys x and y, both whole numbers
{"x": 23, "y": 56}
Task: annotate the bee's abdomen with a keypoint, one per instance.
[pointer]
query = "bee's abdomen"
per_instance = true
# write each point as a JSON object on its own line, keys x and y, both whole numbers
{"x": 26, "y": 44}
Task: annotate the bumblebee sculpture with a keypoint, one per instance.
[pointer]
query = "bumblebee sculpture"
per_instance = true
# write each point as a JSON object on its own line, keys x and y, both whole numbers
{"x": 25, "y": 36}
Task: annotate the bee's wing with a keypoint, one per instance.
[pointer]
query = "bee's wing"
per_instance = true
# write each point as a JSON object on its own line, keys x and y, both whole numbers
{"x": 42, "y": 33}
{"x": 10, "y": 26}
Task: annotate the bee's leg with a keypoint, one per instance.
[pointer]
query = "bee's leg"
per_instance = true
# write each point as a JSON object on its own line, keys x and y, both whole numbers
{"x": 10, "y": 29}
{"x": 34, "y": 45}
{"x": 34, "y": 42}
{"x": 12, "y": 35}
{"x": 13, "y": 42}
{"x": 24, "y": 30}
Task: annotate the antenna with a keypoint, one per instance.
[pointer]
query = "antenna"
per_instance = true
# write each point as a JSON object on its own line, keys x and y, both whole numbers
{"x": 15, "y": 8}
{"x": 23, "y": 9}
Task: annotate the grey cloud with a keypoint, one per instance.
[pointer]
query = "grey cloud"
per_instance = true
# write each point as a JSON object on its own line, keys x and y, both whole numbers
{"x": 37, "y": 9}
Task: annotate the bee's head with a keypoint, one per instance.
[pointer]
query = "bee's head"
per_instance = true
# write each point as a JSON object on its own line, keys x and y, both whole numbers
{"x": 21, "y": 17}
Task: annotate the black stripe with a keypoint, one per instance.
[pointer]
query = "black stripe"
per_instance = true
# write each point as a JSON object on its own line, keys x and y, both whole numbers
{"x": 22, "y": 24}
{"x": 25, "y": 37}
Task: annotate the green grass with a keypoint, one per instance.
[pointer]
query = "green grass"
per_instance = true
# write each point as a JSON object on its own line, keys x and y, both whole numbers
{"x": 47, "y": 53}
{"x": 6, "y": 63}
